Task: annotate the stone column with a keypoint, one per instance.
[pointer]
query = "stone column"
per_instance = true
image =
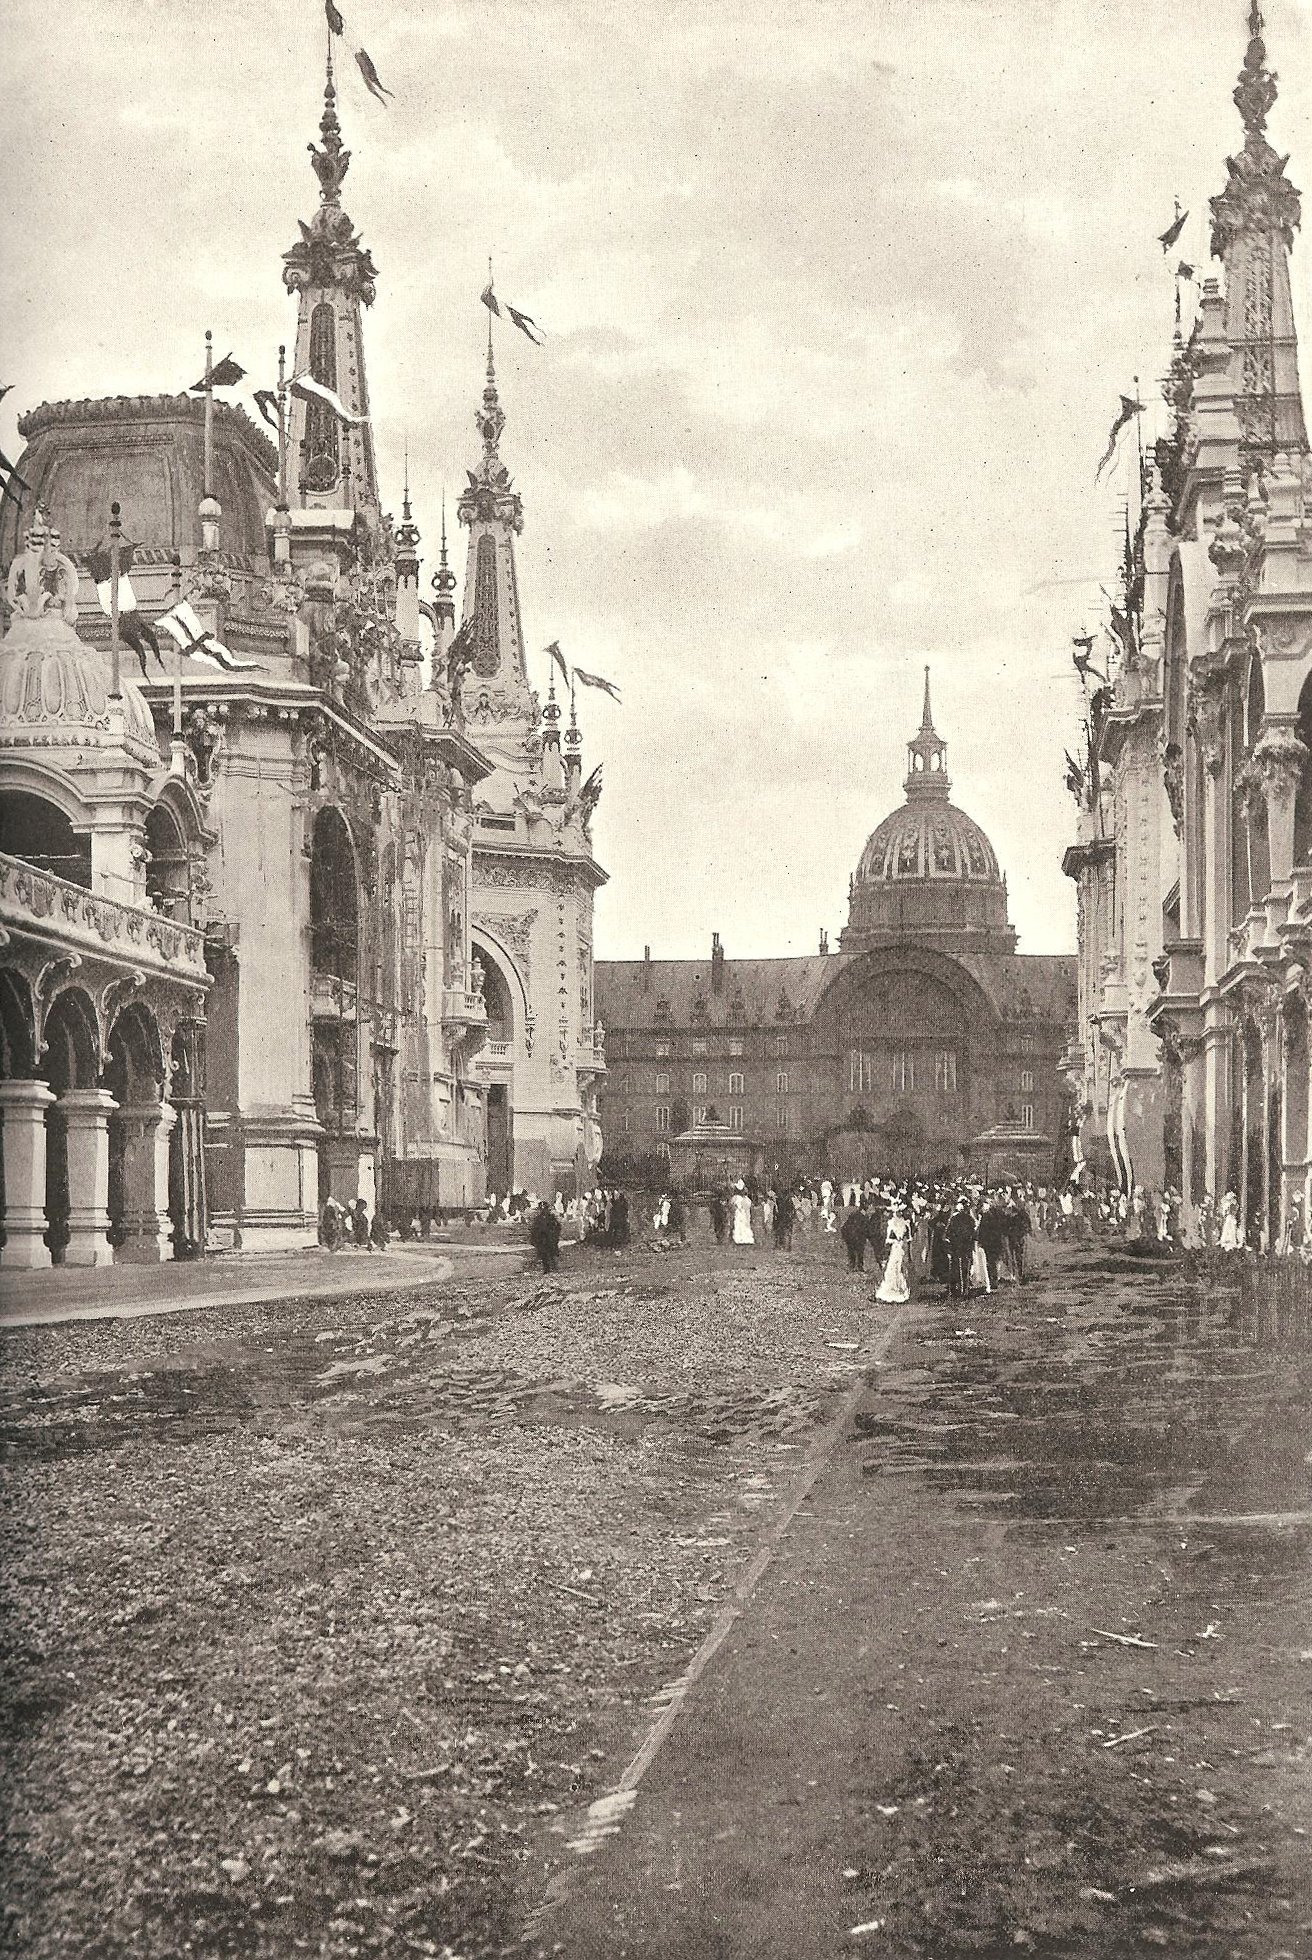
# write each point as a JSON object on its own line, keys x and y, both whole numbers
{"x": 87, "y": 1113}
{"x": 23, "y": 1107}
{"x": 146, "y": 1130}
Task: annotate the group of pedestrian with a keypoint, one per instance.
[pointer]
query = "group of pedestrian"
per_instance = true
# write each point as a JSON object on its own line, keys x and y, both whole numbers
{"x": 350, "y": 1225}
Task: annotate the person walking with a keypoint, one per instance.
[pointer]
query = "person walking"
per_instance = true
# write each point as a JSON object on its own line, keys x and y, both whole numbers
{"x": 785, "y": 1212}
{"x": 992, "y": 1236}
{"x": 544, "y": 1236}
{"x": 360, "y": 1224}
{"x": 852, "y": 1231}
{"x": 1018, "y": 1227}
{"x": 740, "y": 1208}
{"x": 894, "y": 1288}
{"x": 960, "y": 1235}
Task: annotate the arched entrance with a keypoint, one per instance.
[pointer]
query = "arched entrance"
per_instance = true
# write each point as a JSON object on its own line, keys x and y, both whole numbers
{"x": 77, "y": 1135}
{"x": 40, "y": 833}
{"x": 139, "y": 1134}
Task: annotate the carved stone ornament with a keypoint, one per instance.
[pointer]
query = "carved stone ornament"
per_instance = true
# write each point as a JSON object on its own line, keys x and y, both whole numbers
{"x": 42, "y": 578}
{"x": 1173, "y": 782}
{"x": 1207, "y": 710}
{"x": 1278, "y": 761}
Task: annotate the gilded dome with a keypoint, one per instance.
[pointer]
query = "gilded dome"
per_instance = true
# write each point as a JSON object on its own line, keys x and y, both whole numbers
{"x": 928, "y": 872}
{"x": 928, "y": 838}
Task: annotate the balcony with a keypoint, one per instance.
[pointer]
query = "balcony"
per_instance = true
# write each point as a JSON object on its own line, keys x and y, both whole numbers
{"x": 51, "y": 909}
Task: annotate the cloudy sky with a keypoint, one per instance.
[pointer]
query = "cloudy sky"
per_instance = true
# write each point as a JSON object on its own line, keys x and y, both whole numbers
{"x": 840, "y": 300}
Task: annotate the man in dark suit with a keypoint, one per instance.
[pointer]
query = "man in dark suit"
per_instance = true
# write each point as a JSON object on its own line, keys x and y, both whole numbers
{"x": 960, "y": 1235}
{"x": 1019, "y": 1227}
{"x": 991, "y": 1234}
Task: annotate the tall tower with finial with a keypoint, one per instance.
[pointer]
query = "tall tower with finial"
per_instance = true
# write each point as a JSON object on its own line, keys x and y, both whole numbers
{"x": 927, "y": 757}
{"x": 405, "y": 563}
{"x": 331, "y": 464}
{"x": 443, "y": 610}
{"x": 1247, "y": 399}
{"x": 491, "y": 510}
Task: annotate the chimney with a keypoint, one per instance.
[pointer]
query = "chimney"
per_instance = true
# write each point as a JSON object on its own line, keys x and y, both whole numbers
{"x": 646, "y": 969}
{"x": 824, "y": 940}
{"x": 717, "y": 964}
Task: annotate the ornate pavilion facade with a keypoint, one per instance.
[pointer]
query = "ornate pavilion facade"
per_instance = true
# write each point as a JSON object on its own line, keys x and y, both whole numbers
{"x": 313, "y": 917}
{"x": 924, "y": 1043}
{"x": 1194, "y": 855}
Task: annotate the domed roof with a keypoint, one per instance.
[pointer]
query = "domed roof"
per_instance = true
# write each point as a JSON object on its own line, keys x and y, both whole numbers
{"x": 928, "y": 838}
{"x": 928, "y": 871}
{"x": 54, "y": 690}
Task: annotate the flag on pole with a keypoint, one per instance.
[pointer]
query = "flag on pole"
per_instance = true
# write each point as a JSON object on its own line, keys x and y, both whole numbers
{"x": 307, "y": 389}
{"x": 371, "y": 80}
{"x": 5, "y": 389}
{"x": 135, "y": 629}
{"x": 1183, "y": 271}
{"x": 336, "y": 25}
{"x": 489, "y": 300}
{"x": 224, "y": 374}
{"x": 198, "y": 643}
{"x": 595, "y": 680}
{"x": 265, "y": 400}
{"x": 526, "y": 323}
{"x": 1167, "y": 238}
{"x": 558, "y": 660}
{"x": 1129, "y": 409}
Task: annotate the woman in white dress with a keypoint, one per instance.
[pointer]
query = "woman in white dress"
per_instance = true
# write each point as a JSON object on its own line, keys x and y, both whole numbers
{"x": 1231, "y": 1239}
{"x": 895, "y": 1287}
{"x": 740, "y": 1211}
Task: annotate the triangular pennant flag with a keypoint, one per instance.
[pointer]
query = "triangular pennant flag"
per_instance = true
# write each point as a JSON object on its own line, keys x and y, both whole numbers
{"x": 1172, "y": 232}
{"x": 336, "y": 25}
{"x": 595, "y": 680}
{"x": 526, "y": 324}
{"x": 266, "y": 400}
{"x": 558, "y": 660}
{"x": 1129, "y": 409}
{"x": 489, "y": 300}
{"x": 370, "y": 73}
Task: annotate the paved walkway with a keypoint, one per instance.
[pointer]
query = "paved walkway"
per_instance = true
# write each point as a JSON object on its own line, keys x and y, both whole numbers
{"x": 63, "y": 1293}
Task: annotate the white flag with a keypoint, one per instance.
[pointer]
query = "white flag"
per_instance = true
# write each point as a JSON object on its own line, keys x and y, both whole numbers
{"x": 309, "y": 389}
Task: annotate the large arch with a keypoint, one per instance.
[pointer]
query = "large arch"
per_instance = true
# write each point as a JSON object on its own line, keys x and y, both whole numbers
{"x": 40, "y": 830}
{"x": 138, "y": 1182}
{"x": 334, "y": 897}
{"x": 905, "y": 1032}
{"x": 70, "y": 1063}
{"x": 506, "y": 1000}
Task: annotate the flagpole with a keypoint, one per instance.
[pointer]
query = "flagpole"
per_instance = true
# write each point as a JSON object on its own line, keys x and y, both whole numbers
{"x": 115, "y": 654}
{"x": 209, "y": 414}
{"x": 282, "y": 415}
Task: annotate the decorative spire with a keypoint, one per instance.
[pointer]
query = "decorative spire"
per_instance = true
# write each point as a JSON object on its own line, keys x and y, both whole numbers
{"x": 927, "y": 768}
{"x": 490, "y": 419}
{"x": 407, "y": 531}
{"x": 444, "y": 579}
{"x": 1258, "y": 197}
{"x": 1255, "y": 92}
{"x": 332, "y": 162}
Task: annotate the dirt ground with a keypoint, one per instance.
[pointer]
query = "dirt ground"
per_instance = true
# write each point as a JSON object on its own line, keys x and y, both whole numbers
{"x": 325, "y": 1622}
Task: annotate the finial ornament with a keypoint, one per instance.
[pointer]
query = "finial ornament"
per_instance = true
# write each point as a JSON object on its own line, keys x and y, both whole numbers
{"x": 927, "y": 766}
{"x": 1255, "y": 92}
{"x": 1258, "y": 196}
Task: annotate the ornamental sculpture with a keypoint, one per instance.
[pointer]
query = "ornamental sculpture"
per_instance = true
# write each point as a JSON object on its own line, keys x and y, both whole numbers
{"x": 43, "y": 579}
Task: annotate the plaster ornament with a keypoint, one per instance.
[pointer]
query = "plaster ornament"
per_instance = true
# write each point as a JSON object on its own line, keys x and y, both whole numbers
{"x": 43, "y": 579}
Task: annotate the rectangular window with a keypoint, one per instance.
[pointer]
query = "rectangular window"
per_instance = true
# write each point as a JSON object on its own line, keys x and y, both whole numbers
{"x": 663, "y": 1150}
{"x": 662, "y": 1116}
{"x": 735, "y": 1044}
{"x": 699, "y": 1083}
{"x": 662, "y": 1082}
{"x": 735, "y": 1085}
{"x": 1027, "y": 1116}
{"x": 1026, "y": 1081}
{"x": 860, "y": 1073}
{"x": 735, "y": 1117}
{"x": 904, "y": 1072}
{"x": 945, "y": 1071}
{"x": 662, "y": 1051}
{"x": 1026, "y": 1043}
{"x": 781, "y": 1083}
{"x": 624, "y": 1121}
{"x": 781, "y": 1117}
{"x": 781, "y": 1044}
{"x": 699, "y": 1112}
{"x": 698, "y": 1049}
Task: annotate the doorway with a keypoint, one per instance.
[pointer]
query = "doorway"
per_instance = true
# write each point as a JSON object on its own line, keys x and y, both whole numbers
{"x": 498, "y": 1139}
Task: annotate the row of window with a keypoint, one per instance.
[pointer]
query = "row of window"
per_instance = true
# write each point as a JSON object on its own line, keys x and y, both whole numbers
{"x": 782, "y": 1117}
{"x": 735, "y": 1045}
